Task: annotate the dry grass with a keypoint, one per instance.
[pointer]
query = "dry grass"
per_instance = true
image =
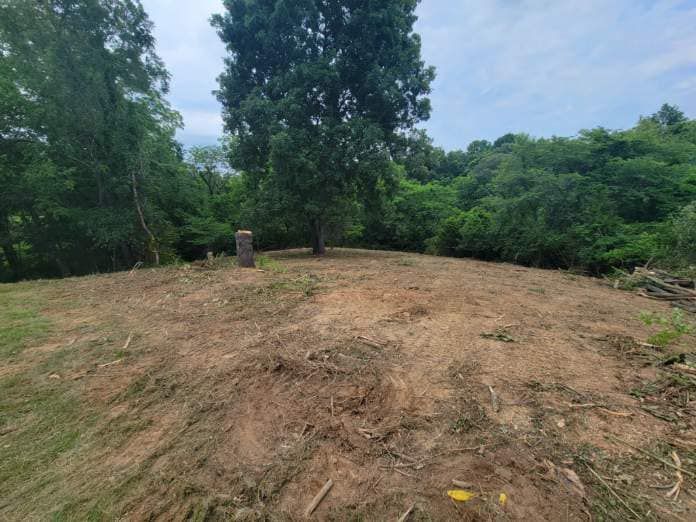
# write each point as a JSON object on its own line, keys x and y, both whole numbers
{"x": 214, "y": 393}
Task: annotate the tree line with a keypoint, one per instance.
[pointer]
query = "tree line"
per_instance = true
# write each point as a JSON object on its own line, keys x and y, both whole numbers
{"x": 321, "y": 101}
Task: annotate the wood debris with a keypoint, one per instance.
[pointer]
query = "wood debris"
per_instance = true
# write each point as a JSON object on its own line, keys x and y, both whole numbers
{"x": 676, "y": 489}
{"x": 495, "y": 404}
{"x": 403, "y": 517}
{"x": 375, "y": 343}
{"x": 106, "y": 365}
{"x": 318, "y": 498}
{"x": 656, "y": 284}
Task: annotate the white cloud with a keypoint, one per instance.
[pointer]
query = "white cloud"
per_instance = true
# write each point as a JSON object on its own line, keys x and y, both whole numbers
{"x": 553, "y": 67}
{"x": 201, "y": 123}
{"x": 193, "y": 54}
{"x": 538, "y": 66}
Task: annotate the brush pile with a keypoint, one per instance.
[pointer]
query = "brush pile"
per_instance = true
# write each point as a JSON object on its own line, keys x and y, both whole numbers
{"x": 656, "y": 284}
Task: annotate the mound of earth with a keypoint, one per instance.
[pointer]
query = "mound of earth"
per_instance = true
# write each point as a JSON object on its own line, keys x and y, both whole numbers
{"x": 218, "y": 393}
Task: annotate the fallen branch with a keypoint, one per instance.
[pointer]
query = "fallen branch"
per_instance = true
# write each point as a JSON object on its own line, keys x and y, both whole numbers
{"x": 684, "y": 368}
{"x": 318, "y": 498}
{"x": 662, "y": 286}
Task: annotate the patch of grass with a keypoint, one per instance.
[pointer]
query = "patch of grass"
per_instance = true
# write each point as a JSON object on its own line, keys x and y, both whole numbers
{"x": 627, "y": 478}
{"x": 499, "y": 334}
{"x": 48, "y": 435}
{"x": 43, "y": 421}
{"x": 668, "y": 398}
{"x": 20, "y": 320}
{"x": 672, "y": 328}
{"x": 270, "y": 264}
{"x": 306, "y": 284}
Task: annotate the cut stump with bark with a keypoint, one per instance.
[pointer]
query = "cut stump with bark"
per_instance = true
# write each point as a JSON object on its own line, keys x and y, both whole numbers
{"x": 245, "y": 248}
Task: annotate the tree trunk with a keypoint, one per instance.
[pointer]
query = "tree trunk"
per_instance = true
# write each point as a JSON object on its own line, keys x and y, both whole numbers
{"x": 245, "y": 249}
{"x": 318, "y": 231}
{"x": 12, "y": 259}
{"x": 153, "y": 247}
{"x": 64, "y": 269}
{"x": 8, "y": 249}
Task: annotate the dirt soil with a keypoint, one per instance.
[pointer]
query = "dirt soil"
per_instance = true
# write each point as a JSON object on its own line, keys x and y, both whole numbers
{"x": 217, "y": 393}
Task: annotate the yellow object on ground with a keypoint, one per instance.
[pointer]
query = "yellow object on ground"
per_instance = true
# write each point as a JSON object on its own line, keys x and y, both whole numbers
{"x": 461, "y": 495}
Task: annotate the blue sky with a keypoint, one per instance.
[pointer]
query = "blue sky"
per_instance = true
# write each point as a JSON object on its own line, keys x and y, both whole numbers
{"x": 537, "y": 66}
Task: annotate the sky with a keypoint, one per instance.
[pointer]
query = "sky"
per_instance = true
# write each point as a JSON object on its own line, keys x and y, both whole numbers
{"x": 542, "y": 67}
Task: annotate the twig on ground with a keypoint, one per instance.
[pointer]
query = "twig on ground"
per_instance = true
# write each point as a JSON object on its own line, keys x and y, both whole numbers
{"x": 128, "y": 341}
{"x": 117, "y": 361}
{"x": 602, "y": 408}
{"x": 659, "y": 459}
{"x": 403, "y": 517}
{"x": 419, "y": 464}
{"x": 611, "y": 490}
{"x": 617, "y": 413}
{"x": 318, "y": 498}
{"x": 371, "y": 342}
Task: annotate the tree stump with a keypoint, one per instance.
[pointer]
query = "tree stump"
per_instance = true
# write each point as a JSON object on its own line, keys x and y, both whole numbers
{"x": 245, "y": 249}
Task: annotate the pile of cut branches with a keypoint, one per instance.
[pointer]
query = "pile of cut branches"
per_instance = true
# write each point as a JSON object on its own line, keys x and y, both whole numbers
{"x": 656, "y": 284}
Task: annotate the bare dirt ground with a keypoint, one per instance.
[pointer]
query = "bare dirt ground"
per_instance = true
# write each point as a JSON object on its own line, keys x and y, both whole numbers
{"x": 189, "y": 393}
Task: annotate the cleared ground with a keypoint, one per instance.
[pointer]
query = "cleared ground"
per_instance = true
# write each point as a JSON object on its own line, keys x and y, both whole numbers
{"x": 225, "y": 394}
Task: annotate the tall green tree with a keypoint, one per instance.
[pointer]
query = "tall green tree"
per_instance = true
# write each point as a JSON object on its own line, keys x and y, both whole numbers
{"x": 315, "y": 92}
{"x": 87, "y": 139}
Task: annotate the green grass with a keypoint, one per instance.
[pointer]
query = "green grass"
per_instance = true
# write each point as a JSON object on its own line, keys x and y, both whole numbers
{"x": 270, "y": 264}
{"x": 42, "y": 420}
{"x": 306, "y": 284}
{"x": 20, "y": 320}
{"x": 672, "y": 328}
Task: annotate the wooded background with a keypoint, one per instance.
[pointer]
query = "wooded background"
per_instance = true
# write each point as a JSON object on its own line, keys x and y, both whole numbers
{"x": 321, "y": 103}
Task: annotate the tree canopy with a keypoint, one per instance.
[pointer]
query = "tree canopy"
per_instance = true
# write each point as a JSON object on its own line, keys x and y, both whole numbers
{"x": 91, "y": 173}
{"x": 315, "y": 92}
